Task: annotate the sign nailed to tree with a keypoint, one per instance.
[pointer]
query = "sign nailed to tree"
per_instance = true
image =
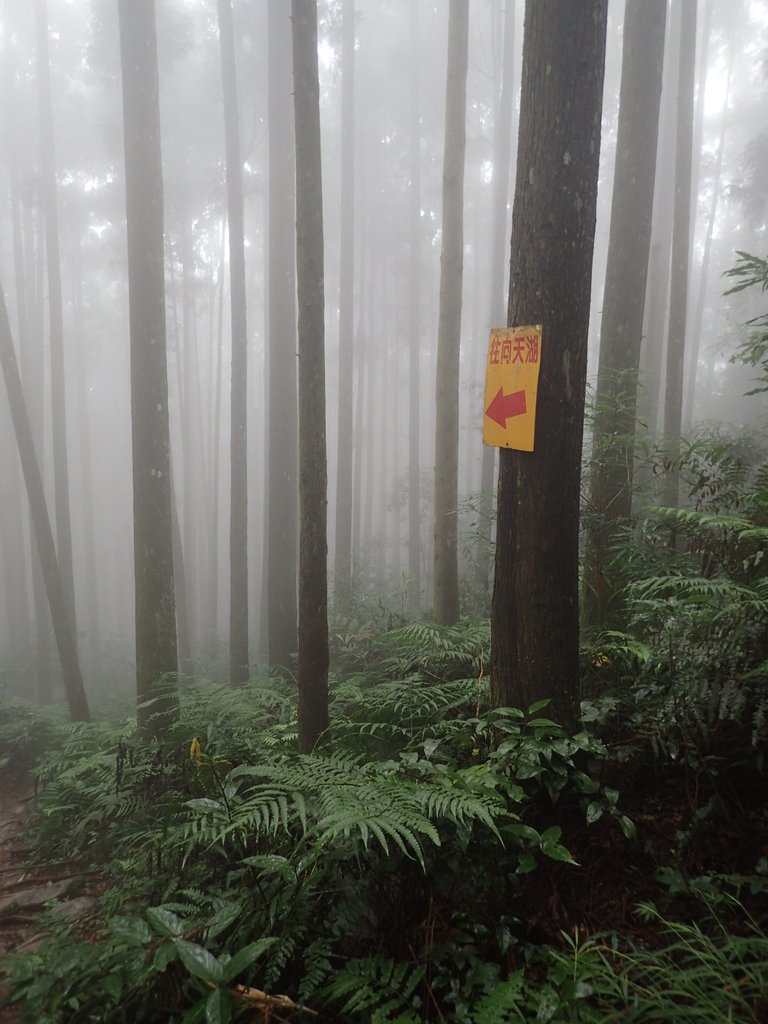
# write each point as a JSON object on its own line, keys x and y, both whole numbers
{"x": 511, "y": 382}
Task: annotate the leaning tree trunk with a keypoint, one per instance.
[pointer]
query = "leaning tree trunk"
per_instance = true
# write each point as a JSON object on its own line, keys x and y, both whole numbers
{"x": 41, "y": 524}
{"x": 56, "y": 317}
{"x": 535, "y": 606}
{"x": 313, "y": 479}
{"x": 446, "y": 559}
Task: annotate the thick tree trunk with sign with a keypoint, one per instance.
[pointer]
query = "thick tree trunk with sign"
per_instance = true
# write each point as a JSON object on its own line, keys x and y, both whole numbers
{"x": 624, "y": 298}
{"x": 156, "y": 658}
{"x": 535, "y": 608}
{"x": 446, "y": 582}
{"x": 313, "y": 474}
{"x": 239, "y": 660}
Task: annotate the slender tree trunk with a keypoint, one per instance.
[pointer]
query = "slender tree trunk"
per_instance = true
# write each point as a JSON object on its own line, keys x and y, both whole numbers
{"x": 32, "y": 369}
{"x": 54, "y": 584}
{"x": 344, "y": 448}
{"x": 156, "y": 656}
{"x": 239, "y": 660}
{"x": 701, "y": 294}
{"x": 313, "y": 477}
{"x": 414, "y": 322}
{"x": 681, "y": 251}
{"x": 624, "y": 297}
{"x": 16, "y": 574}
{"x": 56, "y": 315}
{"x": 446, "y": 565}
{"x": 91, "y": 574}
{"x": 535, "y": 607}
{"x": 282, "y": 489}
{"x": 215, "y": 443}
{"x": 502, "y": 152}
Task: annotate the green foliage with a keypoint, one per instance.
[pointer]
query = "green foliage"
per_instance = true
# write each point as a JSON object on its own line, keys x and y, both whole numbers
{"x": 380, "y": 878}
{"x": 752, "y": 272}
{"x": 26, "y": 733}
{"x": 696, "y": 975}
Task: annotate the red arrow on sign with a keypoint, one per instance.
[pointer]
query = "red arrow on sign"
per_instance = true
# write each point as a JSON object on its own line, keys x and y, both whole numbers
{"x": 503, "y": 407}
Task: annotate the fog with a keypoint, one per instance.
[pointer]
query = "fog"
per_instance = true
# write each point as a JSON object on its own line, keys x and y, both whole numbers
{"x": 72, "y": 186}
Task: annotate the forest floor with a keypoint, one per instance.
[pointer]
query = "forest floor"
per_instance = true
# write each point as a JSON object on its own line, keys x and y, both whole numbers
{"x": 28, "y": 890}
{"x": 693, "y": 829}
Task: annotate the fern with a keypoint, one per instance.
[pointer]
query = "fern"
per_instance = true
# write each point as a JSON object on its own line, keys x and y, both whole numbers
{"x": 377, "y": 990}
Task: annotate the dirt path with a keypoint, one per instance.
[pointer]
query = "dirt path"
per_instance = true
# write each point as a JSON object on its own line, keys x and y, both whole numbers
{"x": 25, "y": 892}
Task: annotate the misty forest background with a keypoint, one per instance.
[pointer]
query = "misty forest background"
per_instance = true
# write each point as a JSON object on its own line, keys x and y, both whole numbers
{"x": 388, "y": 215}
{"x": 331, "y": 710}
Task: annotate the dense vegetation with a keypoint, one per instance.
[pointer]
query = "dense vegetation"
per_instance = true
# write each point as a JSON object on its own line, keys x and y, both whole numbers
{"x": 435, "y": 860}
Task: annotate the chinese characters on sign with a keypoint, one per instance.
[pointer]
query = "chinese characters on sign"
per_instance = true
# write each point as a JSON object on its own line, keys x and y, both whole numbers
{"x": 511, "y": 383}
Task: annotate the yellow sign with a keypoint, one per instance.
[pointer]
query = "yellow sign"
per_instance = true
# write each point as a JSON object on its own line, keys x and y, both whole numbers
{"x": 511, "y": 382}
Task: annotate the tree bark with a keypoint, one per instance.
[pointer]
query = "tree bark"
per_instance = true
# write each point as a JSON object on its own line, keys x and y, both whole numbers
{"x": 56, "y": 317}
{"x": 621, "y": 334}
{"x": 502, "y": 152}
{"x": 446, "y": 564}
{"x": 156, "y": 658}
{"x": 344, "y": 447}
{"x": 239, "y": 660}
{"x": 54, "y": 584}
{"x": 535, "y": 607}
{"x": 313, "y": 478}
{"x": 681, "y": 252}
{"x": 282, "y": 509}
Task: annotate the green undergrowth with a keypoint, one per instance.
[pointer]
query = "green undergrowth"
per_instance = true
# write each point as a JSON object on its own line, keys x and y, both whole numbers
{"x": 409, "y": 870}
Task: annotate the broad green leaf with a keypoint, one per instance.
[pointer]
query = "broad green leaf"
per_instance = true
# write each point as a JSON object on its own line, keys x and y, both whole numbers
{"x": 538, "y": 706}
{"x": 594, "y": 812}
{"x": 218, "y": 1007}
{"x": 223, "y": 918}
{"x": 627, "y": 826}
{"x": 246, "y": 957}
{"x": 133, "y": 931}
{"x": 165, "y": 922}
{"x": 198, "y": 961}
{"x": 204, "y": 803}
{"x": 272, "y": 864}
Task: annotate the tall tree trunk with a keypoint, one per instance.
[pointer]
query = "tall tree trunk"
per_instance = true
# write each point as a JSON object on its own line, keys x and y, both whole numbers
{"x": 681, "y": 251}
{"x": 446, "y": 564}
{"x": 91, "y": 573}
{"x": 156, "y": 657}
{"x": 54, "y": 584}
{"x": 217, "y": 341}
{"x": 32, "y": 370}
{"x": 535, "y": 607}
{"x": 282, "y": 511}
{"x": 502, "y": 153}
{"x": 313, "y": 474}
{"x": 16, "y": 574}
{"x": 701, "y": 293}
{"x": 344, "y": 448}
{"x": 56, "y": 316}
{"x": 414, "y": 321}
{"x": 239, "y": 660}
{"x": 621, "y": 334}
